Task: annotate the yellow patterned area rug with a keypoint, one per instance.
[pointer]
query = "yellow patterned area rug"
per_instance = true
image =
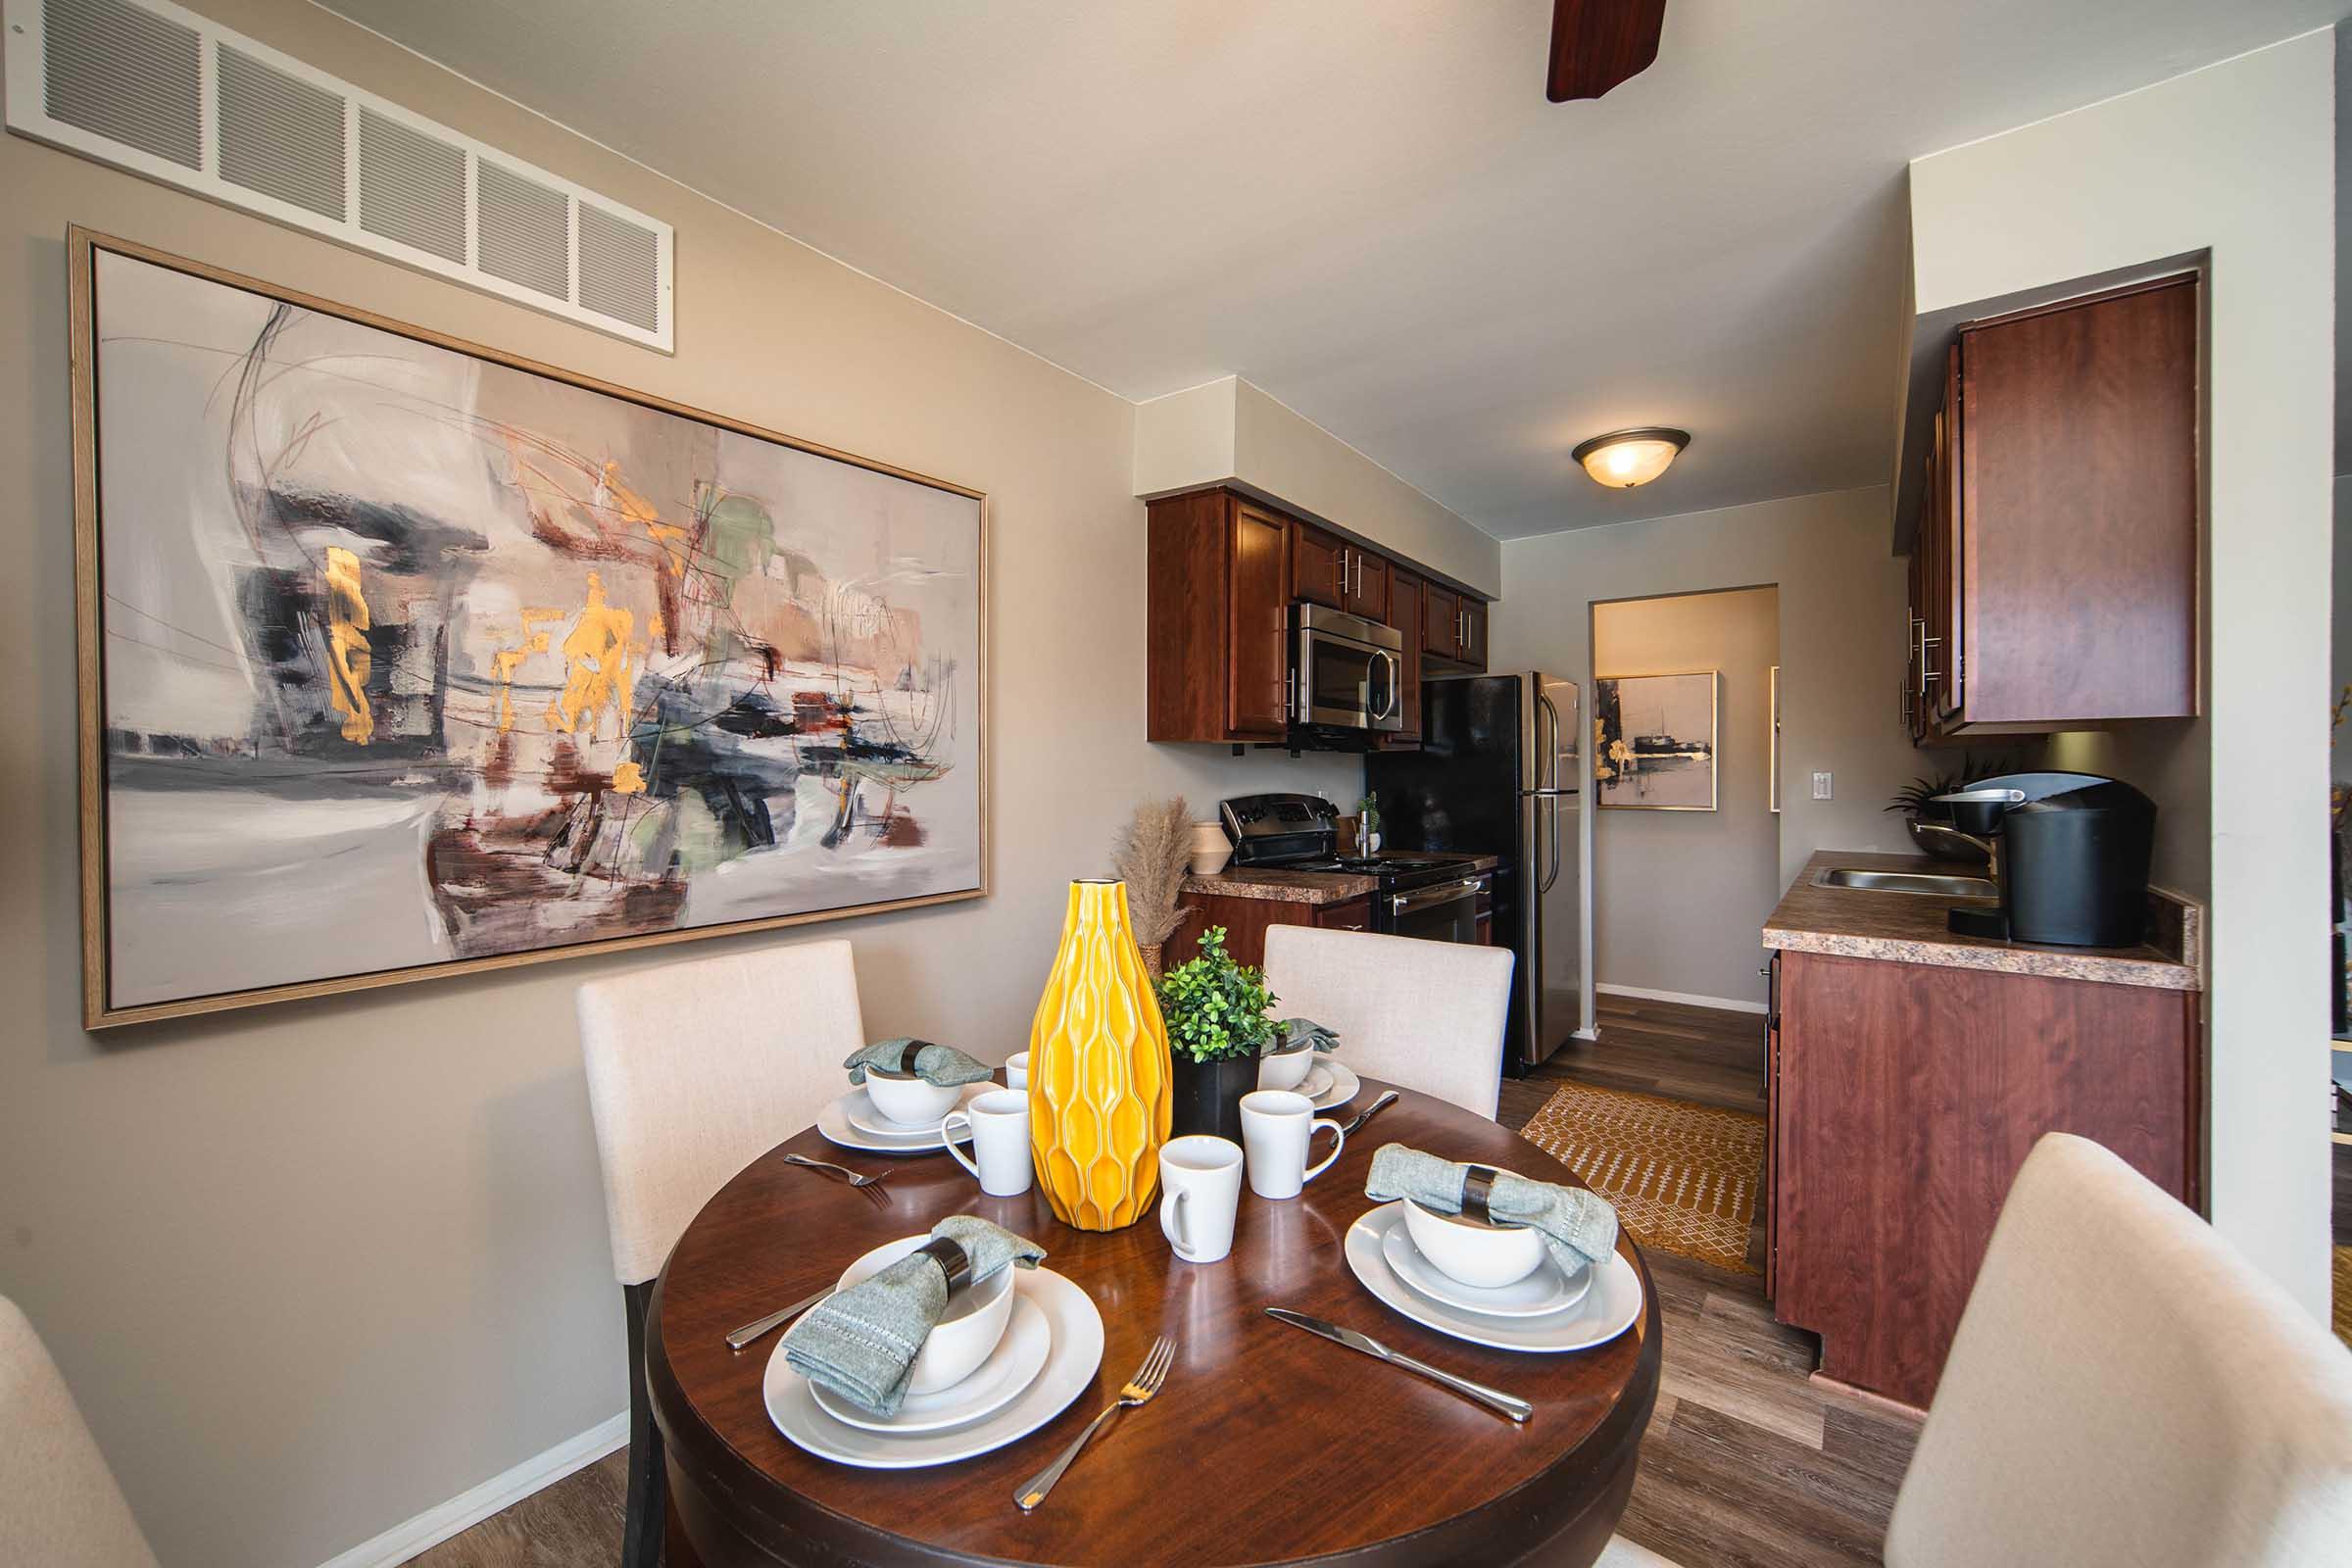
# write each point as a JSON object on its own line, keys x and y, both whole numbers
{"x": 2343, "y": 1294}
{"x": 1683, "y": 1177}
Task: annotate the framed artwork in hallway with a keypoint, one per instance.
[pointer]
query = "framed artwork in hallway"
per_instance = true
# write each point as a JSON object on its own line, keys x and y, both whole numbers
{"x": 402, "y": 656}
{"x": 1655, "y": 741}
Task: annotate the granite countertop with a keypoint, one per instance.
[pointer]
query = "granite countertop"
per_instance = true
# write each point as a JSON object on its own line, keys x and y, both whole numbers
{"x": 1313, "y": 887}
{"x": 1909, "y": 928}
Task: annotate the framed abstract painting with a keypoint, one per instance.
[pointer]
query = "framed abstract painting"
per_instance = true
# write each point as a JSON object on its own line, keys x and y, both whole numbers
{"x": 404, "y": 658}
{"x": 1655, "y": 741}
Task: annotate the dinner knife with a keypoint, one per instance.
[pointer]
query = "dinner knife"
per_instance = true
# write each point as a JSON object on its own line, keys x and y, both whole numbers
{"x": 1516, "y": 1408}
{"x": 1387, "y": 1098}
{"x": 751, "y": 1331}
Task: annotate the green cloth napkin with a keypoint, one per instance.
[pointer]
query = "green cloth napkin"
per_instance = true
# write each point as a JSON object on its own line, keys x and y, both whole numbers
{"x": 1300, "y": 1031}
{"x": 933, "y": 1064}
{"x": 861, "y": 1343}
{"x": 1579, "y": 1226}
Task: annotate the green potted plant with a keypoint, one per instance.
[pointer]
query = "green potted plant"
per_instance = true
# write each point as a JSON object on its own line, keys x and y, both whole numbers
{"x": 1369, "y": 811}
{"x": 1916, "y": 803}
{"x": 1215, "y": 1010}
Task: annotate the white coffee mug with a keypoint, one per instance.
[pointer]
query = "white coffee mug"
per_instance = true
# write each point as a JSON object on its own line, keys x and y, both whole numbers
{"x": 1000, "y": 1125}
{"x": 1276, "y": 1125}
{"x": 1016, "y": 1070}
{"x": 1200, "y": 1187}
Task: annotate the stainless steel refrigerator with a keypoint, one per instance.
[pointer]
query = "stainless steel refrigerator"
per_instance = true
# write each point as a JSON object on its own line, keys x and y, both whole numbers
{"x": 1500, "y": 772}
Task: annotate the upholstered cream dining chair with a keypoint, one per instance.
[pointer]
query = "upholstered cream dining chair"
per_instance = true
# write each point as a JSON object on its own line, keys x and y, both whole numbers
{"x": 694, "y": 1071}
{"x": 1426, "y": 1015}
{"x": 58, "y": 1505}
{"x": 2125, "y": 1388}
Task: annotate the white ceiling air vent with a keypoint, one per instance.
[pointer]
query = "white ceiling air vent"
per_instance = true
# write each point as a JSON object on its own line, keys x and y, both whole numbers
{"x": 147, "y": 86}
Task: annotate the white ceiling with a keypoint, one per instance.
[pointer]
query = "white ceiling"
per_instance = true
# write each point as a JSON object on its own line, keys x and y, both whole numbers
{"x": 1366, "y": 207}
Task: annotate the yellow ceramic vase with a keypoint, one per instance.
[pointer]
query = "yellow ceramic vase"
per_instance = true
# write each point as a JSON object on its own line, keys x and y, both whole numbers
{"x": 1098, "y": 1069}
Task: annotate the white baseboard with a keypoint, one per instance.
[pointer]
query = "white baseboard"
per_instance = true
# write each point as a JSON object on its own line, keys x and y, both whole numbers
{"x": 1639, "y": 994}
{"x": 471, "y": 1507}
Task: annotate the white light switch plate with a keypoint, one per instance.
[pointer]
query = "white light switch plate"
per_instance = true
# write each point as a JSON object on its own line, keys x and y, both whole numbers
{"x": 1821, "y": 786}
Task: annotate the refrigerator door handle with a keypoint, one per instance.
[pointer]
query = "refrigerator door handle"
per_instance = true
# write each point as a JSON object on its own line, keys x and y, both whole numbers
{"x": 1552, "y": 816}
{"x": 1551, "y": 752}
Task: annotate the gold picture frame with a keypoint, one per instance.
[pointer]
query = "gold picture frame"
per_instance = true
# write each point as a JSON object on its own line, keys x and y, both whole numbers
{"x": 857, "y": 737}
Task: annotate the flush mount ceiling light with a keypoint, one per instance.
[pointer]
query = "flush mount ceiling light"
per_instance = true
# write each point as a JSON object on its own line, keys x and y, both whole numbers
{"x": 1624, "y": 459}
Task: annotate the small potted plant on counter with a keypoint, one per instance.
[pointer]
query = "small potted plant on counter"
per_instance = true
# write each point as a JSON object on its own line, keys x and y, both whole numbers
{"x": 1368, "y": 808}
{"x": 1215, "y": 1010}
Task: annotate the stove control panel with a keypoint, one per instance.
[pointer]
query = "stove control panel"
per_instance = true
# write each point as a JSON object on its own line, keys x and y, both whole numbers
{"x": 1257, "y": 816}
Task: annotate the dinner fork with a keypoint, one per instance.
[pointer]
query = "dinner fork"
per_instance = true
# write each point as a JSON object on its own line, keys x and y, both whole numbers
{"x": 869, "y": 1185}
{"x": 1139, "y": 1390}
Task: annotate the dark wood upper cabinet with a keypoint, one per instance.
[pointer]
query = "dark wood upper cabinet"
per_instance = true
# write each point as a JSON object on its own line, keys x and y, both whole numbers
{"x": 1368, "y": 583}
{"x": 1318, "y": 566}
{"x": 1224, "y": 573}
{"x": 1440, "y": 621}
{"x": 1330, "y": 570}
{"x": 1454, "y": 629}
{"x": 1217, "y": 617}
{"x": 2058, "y": 581}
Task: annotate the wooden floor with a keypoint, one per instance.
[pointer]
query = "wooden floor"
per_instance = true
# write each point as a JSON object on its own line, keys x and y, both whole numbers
{"x": 1747, "y": 1464}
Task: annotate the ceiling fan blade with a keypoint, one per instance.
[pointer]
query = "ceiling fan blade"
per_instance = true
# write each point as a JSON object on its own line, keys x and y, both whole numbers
{"x": 1595, "y": 44}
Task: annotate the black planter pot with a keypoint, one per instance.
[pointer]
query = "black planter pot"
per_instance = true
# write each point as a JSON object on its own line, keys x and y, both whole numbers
{"x": 1206, "y": 1095}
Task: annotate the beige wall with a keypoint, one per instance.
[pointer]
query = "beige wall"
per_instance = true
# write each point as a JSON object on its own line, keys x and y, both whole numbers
{"x": 1681, "y": 893}
{"x": 313, "y": 1269}
{"x": 2237, "y": 161}
{"x": 1842, "y": 639}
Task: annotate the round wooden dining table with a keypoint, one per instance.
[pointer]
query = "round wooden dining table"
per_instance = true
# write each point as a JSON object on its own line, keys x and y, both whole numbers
{"x": 1267, "y": 1445}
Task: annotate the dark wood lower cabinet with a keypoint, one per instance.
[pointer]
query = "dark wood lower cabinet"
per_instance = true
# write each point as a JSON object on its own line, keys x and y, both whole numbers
{"x": 1905, "y": 1097}
{"x": 1245, "y": 921}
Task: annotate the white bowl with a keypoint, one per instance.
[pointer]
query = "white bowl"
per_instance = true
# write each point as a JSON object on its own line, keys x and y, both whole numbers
{"x": 1483, "y": 1257}
{"x": 966, "y": 1332}
{"x": 911, "y": 1101}
{"x": 1285, "y": 1069}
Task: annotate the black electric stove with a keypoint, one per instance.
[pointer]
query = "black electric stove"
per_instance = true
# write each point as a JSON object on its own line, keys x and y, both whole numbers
{"x": 1416, "y": 895}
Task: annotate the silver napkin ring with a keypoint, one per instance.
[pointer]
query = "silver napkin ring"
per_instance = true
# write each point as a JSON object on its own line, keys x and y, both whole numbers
{"x": 1478, "y": 1186}
{"x": 953, "y": 1260}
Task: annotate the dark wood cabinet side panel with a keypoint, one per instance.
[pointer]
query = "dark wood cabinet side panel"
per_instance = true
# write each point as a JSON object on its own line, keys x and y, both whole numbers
{"x": 1258, "y": 603}
{"x": 1185, "y": 616}
{"x": 1906, "y": 1097}
{"x": 2079, "y": 511}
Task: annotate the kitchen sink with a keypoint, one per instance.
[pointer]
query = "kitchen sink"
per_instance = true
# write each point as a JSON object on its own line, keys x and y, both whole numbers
{"x": 1948, "y": 887}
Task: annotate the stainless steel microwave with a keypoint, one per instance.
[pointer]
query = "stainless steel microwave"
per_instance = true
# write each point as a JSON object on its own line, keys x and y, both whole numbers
{"x": 1347, "y": 672}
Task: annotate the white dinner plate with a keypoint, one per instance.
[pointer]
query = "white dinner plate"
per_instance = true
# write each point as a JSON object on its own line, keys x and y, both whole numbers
{"x": 1075, "y": 1356}
{"x": 1608, "y": 1308}
{"x": 1329, "y": 1084}
{"x": 993, "y": 1385}
{"x": 1547, "y": 1289}
{"x": 844, "y": 1121}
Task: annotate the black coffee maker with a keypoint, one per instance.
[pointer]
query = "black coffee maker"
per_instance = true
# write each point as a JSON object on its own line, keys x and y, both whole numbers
{"x": 2070, "y": 852}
